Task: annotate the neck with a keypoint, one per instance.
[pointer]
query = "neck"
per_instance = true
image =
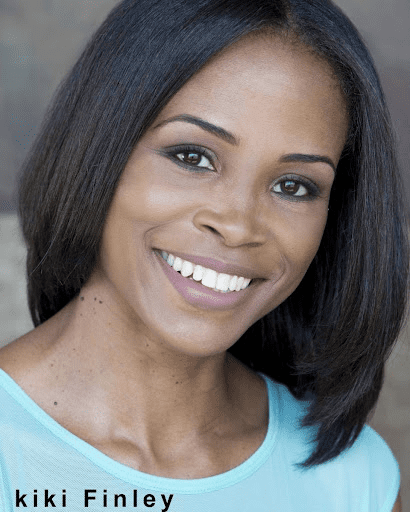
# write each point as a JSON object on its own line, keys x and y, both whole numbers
{"x": 145, "y": 390}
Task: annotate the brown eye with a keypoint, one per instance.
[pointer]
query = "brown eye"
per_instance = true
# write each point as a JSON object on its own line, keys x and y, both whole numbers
{"x": 192, "y": 158}
{"x": 295, "y": 188}
{"x": 291, "y": 188}
{"x": 195, "y": 159}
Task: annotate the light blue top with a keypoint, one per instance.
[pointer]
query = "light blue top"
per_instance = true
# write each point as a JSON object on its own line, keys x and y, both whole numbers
{"x": 39, "y": 458}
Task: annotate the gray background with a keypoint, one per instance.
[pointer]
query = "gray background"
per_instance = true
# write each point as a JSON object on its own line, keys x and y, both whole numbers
{"x": 41, "y": 39}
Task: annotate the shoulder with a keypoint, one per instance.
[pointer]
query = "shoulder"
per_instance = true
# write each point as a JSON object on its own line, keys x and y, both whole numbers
{"x": 31, "y": 364}
{"x": 371, "y": 452}
{"x": 366, "y": 475}
{"x": 20, "y": 359}
{"x": 373, "y": 457}
{"x": 24, "y": 357}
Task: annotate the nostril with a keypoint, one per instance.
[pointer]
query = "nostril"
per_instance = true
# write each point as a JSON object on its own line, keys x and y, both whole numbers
{"x": 212, "y": 229}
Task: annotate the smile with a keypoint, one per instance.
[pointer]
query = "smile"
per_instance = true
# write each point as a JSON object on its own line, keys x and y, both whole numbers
{"x": 208, "y": 277}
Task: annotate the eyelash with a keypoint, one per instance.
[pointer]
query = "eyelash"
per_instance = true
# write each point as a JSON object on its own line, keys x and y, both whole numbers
{"x": 312, "y": 189}
{"x": 173, "y": 152}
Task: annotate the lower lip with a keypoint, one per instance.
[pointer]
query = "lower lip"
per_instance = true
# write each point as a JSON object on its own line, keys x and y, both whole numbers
{"x": 199, "y": 295}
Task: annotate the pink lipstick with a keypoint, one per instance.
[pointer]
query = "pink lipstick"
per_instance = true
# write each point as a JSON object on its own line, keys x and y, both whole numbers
{"x": 199, "y": 295}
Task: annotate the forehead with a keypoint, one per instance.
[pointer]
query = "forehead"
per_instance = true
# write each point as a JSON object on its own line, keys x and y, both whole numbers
{"x": 265, "y": 83}
{"x": 270, "y": 61}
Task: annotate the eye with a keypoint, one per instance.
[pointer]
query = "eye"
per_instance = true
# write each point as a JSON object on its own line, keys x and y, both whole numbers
{"x": 296, "y": 188}
{"x": 195, "y": 159}
{"x": 291, "y": 187}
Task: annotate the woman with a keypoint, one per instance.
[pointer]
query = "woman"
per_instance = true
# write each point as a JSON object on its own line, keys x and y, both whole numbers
{"x": 217, "y": 269}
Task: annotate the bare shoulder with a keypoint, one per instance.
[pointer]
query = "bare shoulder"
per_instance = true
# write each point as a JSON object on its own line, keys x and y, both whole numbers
{"x": 24, "y": 356}
{"x": 19, "y": 356}
{"x": 397, "y": 505}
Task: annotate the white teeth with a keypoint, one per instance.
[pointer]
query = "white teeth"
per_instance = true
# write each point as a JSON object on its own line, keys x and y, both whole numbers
{"x": 222, "y": 282}
{"x": 239, "y": 283}
{"x": 208, "y": 277}
{"x": 177, "y": 264}
{"x": 232, "y": 284}
{"x": 245, "y": 284}
{"x": 198, "y": 273}
{"x": 187, "y": 268}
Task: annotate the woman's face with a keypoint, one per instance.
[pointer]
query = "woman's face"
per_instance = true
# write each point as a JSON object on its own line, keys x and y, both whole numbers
{"x": 234, "y": 175}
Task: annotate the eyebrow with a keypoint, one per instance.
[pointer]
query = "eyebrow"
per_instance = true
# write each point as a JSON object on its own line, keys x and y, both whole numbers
{"x": 229, "y": 137}
{"x": 211, "y": 128}
{"x": 300, "y": 157}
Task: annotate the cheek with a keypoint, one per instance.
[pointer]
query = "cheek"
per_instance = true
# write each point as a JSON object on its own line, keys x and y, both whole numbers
{"x": 293, "y": 248}
{"x": 143, "y": 201}
{"x": 300, "y": 240}
{"x": 144, "y": 195}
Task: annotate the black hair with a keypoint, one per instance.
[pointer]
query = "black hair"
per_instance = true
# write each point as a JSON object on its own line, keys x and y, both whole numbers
{"x": 331, "y": 338}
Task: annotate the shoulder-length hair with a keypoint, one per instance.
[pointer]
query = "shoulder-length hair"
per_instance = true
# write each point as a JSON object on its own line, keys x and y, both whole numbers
{"x": 331, "y": 337}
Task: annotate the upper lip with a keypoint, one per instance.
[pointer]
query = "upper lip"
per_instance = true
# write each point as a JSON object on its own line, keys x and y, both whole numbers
{"x": 218, "y": 266}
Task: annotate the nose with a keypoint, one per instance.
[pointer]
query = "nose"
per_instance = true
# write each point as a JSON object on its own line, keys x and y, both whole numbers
{"x": 235, "y": 220}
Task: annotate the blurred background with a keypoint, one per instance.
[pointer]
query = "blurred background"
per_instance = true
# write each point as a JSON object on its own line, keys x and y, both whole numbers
{"x": 41, "y": 39}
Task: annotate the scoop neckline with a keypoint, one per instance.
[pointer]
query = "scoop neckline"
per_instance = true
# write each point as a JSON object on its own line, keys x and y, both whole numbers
{"x": 146, "y": 480}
